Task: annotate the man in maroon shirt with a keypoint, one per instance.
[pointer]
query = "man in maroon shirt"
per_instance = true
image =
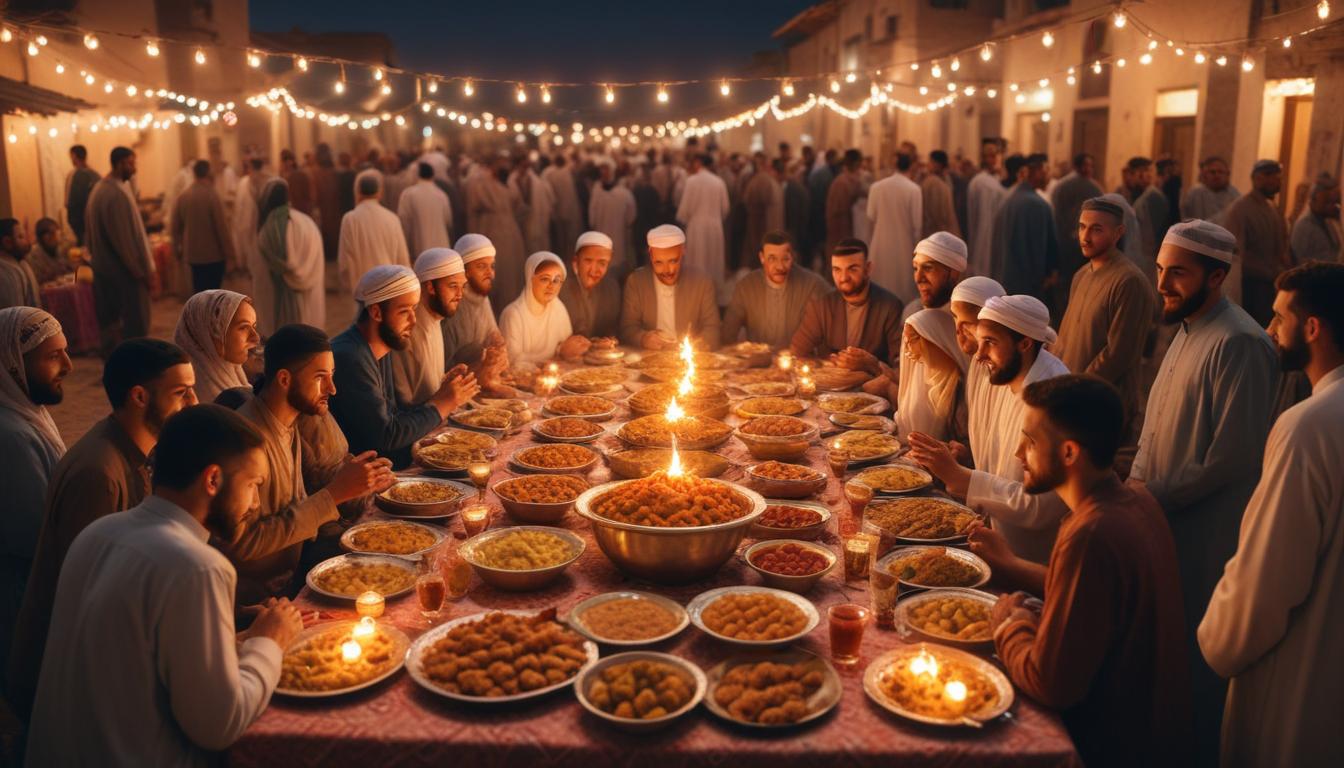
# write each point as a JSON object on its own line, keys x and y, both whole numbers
{"x": 1108, "y": 649}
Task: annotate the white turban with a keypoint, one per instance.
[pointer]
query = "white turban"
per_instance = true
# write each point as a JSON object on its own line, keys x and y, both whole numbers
{"x": 1203, "y": 237}
{"x": 437, "y": 263}
{"x": 666, "y": 236}
{"x": 945, "y": 248}
{"x": 592, "y": 238}
{"x": 473, "y": 247}
{"x": 1022, "y": 313}
{"x": 385, "y": 281}
{"x": 977, "y": 290}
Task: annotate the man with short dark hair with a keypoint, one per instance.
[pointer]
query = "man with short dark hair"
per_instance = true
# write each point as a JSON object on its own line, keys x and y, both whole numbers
{"x": 302, "y": 193}
{"x": 123, "y": 268}
{"x": 151, "y": 671}
{"x": 1204, "y": 429}
{"x": 365, "y": 401}
{"x": 18, "y": 282}
{"x": 1150, "y": 208}
{"x": 1273, "y": 623}
{"x": 78, "y": 187}
{"x": 769, "y": 302}
{"x": 1067, "y": 199}
{"x": 939, "y": 213}
{"x": 201, "y": 235}
{"x": 49, "y": 258}
{"x": 840, "y": 198}
{"x": 1106, "y": 649}
{"x": 1262, "y": 240}
{"x": 763, "y": 201}
{"x": 146, "y": 382}
{"x": 858, "y": 324}
{"x": 1316, "y": 233}
{"x": 1026, "y": 251}
{"x": 895, "y": 206}
{"x": 297, "y": 382}
{"x": 425, "y": 213}
{"x": 1209, "y": 197}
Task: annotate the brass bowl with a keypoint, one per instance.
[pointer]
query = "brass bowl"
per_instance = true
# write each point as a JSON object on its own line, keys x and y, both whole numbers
{"x": 798, "y": 584}
{"x": 533, "y": 512}
{"x": 521, "y": 580}
{"x": 778, "y": 447}
{"x": 668, "y": 555}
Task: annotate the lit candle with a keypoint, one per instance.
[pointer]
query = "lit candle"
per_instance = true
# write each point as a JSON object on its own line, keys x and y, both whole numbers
{"x": 547, "y": 384}
{"x": 955, "y": 690}
{"x": 924, "y": 664}
{"x": 365, "y": 628}
{"x": 351, "y": 650}
{"x": 369, "y": 604}
{"x": 474, "y": 518}
{"x": 553, "y": 369}
{"x": 785, "y": 360}
{"x": 674, "y": 467}
{"x": 806, "y": 386}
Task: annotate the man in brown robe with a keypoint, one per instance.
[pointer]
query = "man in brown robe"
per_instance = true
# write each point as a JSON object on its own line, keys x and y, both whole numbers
{"x": 1108, "y": 648}
{"x": 327, "y": 195}
{"x": 301, "y": 193}
{"x": 297, "y": 380}
{"x": 1111, "y": 310}
{"x": 939, "y": 214}
{"x": 1262, "y": 240}
{"x": 859, "y": 323}
{"x": 769, "y": 302}
{"x": 592, "y": 296}
{"x": 763, "y": 198}
{"x": 840, "y": 200}
{"x": 119, "y": 254}
{"x": 201, "y": 236}
{"x": 146, "y": 381}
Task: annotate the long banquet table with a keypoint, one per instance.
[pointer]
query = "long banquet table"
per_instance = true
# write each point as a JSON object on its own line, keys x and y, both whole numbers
{"x": 398, "y": 723}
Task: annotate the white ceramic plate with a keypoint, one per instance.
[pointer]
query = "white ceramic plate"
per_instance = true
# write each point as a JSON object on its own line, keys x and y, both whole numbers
{"x": 701, "y": 601}
{"x": 876, "y": 404}
{"x": 688, "y": 671}
{"x": 873, "y": 677}
{"x": 401, "y": 641}
{"x": 575, "y": 617}
{"x": 927, "y": 478}
{"x": 348, "y": 538}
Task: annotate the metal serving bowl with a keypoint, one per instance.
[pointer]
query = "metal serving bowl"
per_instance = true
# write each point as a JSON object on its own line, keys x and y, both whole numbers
{"x": 799, "y": 584}
{"x": 427, "y": 509}
{"x": 527, "y": 580}
{"x": 534, "y": 513}
{"x": 690, "y": 673}
{"x": 668, "y": 555}
{"x": 778, "y": 447}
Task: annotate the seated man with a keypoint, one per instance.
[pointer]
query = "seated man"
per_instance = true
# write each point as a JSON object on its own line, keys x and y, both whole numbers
{"x": 297, "y": 381}
{"x": 144, "y": 665}
{"x": 471, "y": 336}
{"x": 592, "y": 296}
{"x": 49, "y": 257}
{"x": 1108, "y": 650}
{"x": 664, "y": 302}
{"x": 859, "y": 324}
{"x": 770, "y": 301}
{"x": 419, "y": 369}
{"x": 365, "y": 402}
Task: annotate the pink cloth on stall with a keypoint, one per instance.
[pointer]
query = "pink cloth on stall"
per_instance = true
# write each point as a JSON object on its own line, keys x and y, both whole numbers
{"x": 72, "y": 304}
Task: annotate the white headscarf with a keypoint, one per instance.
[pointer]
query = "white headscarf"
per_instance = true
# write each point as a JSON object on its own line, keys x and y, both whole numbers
{"x": 532, "y": 329}
{"x": 23, "y": 329}
{"x": 937, "y": 327}
{"x": 201, "y": 328}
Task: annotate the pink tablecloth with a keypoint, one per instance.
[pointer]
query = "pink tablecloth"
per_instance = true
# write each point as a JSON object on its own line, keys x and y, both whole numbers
{"x": 72, "y": 304}
{"x": 398, "y": 723}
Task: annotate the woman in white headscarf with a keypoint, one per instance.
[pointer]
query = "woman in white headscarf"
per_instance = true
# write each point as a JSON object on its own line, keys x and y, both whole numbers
{"x": 217, "y": 330}
{"x": 931, "y": 396}
{"x": 288, "y": 270}
{"x": 536, "y": 325}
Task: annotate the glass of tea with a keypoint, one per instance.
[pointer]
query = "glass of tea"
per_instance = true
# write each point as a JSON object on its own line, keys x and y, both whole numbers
{"x": 456, "y": 573}
{"x": 479, "y": 471}
{"x": 847, "y": 622}
{"x": 431, "y": 590}
{"x": 839, "y": 460}
{"x": 475, "y": 518}
{"x": 858, "y": 494}
{"x": 858, "y": 553}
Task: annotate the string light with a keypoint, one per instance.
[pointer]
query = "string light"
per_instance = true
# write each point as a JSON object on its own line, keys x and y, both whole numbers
{"x": 956, "y": 64}
{"x": 851, "y": 77}
{"x": 1221, "y": 61}
{"x": 151, "y": 48}
{"x": 6, "y": 36}
{"x": 937, "y": 71}
{"x": 985, "y": 53}
{"x": 386, "y": 90}
{"x": 468, "y": 89}
{"x": 378, "y": 73}
{"x": 32, "y": 49}
{"x": 522, "y": 94}
{"x": 200, "y": 56}
{"x": 1120, "y": 63}
{"x": 835, "y": 86}
{"x": 1045, "y": 117}
{"x": 253, "y": 59}
{"x": 724, "y": 88}
{"x": 1047, "y": 39}
{"x": 1119, "y": 19}
{"x": 1180, "y": 51}
{"x": 992, "y": 93}
{"x": 1152, "y": 45}
{"x": 1288, "y": 42}
{"x": 339, "y": 87}
{"x": 88, "y": 79}
{"x": 662, "y": 94}
{"x": 788, "y": 88}
{"x": 1146, "y": 59}
{"x": 1323, "y": 10}
{"x": 1247, "y": 64}
{"x": 60, "y": 68}
{"x": 610, "y": 95}
{"x": 433, "y": 86}
{"x": 914, "y": 66}
{"x": 545, "y": 95}
{"x": 41, "y": 40}
{"x": 91, "y": 41}
{"x": 301, "y": 63}
{"x": 1200, "y": 58}
{"x": 1096, "y": 67}
{"x": 1044, "y": 81}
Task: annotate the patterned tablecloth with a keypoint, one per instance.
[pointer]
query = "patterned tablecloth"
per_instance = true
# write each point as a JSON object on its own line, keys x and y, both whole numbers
{"x": 399, "y": 723}
{"x": 72, "y": 304}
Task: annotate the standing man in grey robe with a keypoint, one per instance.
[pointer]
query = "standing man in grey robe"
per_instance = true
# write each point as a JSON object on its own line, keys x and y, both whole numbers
{"x": 1150, "y": 206}
{"x": 119, "y": 253}
{"x": 1067, "y": 200}
{"x": 1212, "y": 194}
{"x": 1316, "y": 232}
{"x": 1026, "y": 252}
{"x": 567, "y": 219}
{"x": 1262, "y": 239}
{"x": 78, "y": 186}
{"x": 769, "y": 302}
{"x": 1204, "y": 430}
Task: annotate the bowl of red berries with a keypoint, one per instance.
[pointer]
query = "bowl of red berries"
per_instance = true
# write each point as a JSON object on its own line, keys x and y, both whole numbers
{"x": 790, "y": 564}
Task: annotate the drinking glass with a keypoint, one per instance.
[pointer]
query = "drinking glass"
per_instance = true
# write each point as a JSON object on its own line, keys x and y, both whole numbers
{"x": 479, "y": 470}
{"x": 847, "y": 622}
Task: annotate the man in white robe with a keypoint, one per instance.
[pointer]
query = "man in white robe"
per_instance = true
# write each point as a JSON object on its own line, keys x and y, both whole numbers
{"x": 370, "y": 234}
{"x": 611, "y": 211}
{"x": 896, "y": 206}
{"x": 1204, "y": 430}
{"x": 425, "y": 213}
{"x": 245, "y": 212}
{"x": 538, "y": 201}
{"x": 984, "y": 195}
{"x": 1013, "y": 332}
{"x": 419, "y": 369}
{"x": 471, "y": 334}
{"x": 703, "y": 206}
{"x": 1274, "y": 623}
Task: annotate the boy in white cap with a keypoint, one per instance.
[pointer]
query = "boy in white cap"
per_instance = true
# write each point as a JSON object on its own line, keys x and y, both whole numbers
{"x": 419, "y": 368}
{"x": 665, "y": 301}
{"x": 1204, "y": 430}
{"x": 365, "y": 404}
{"x": 592, "y": 296}
{"x": 1013, "y": 332}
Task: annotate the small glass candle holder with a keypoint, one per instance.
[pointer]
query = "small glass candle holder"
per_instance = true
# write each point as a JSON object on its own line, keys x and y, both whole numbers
{"x": 838, "y": 458}
{"x": 547, "y": 384}
{"x": 858, "y": 495}
{"x": 807, "y": 387}
{"x": 370, "y": 604}
{"x": 858, "y": 554}
{"x": 784, "y": 360}
{"x": 475, "y": 518}
{"x": 456, "y": 573}
{"x": 479, "y": 471}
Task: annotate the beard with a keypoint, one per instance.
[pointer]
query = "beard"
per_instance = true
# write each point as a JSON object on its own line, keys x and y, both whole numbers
{"x": 1296, "y": 355}
{"x": 393, "y": 339}
{"x": 1008, "y": 371}
{"x": 1050, "y": 478}
{"x": 857, "y": 290}
{"x": 45, "y": 392}
{"x": 481, "y": 286}
{"x": 938, "y": 296}
{"x": 220, "y": 522}
{"x": 1187, "y": 307}
{"x": 155, "y": 417}
{"x": 298, "y": 402}
{"x": 435, "y": 304}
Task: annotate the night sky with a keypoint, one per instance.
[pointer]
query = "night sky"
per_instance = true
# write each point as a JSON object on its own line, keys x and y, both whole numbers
{"x": 558, "y": 41}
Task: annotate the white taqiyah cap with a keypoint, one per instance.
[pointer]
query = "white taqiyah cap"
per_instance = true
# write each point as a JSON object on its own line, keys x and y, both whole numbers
{"x": 472, "y": 247}
{"x": 977, "y": 290}
{"x": 666, "y": 236}
{"x": 593, "y": 238}
{"x": 385, "y": 281}
{"x": 1203, "y": 237}
{"x": 437, "y": 263}
{"x": 1024, "y": 314}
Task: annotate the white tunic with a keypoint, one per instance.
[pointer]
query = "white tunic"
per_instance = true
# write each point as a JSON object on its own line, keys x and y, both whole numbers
{"x": 612, "y": 212}
{"x": 244, "y": 223}
{"x": 896, "y": 206}
{"x": 538, "y": 207}
{"x": 305, "y": 277}
{"x": 426, "y": 217}
{"x": 149, "y": 671}
{"x": 994, "y": 423}
{"x": 983, "y": 196}
{"x": 370, "y": 235}
{"x": 666, "y": 297}
{"x": 704, "y": 204}
{"x": 1277, "y": 615}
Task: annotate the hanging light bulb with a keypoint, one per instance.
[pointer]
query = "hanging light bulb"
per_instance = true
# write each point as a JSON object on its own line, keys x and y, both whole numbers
{"x": 107, "y": 87}
{"x": 610, "y": 95}
{"x": 914, "y": 66}
{"x": 91, "y": 41}
{"x": 1012, "y": 87}
{"x": 545, "y": 95}
{"x": 835, "y": 86}
{"x": 386, "y": 90}
{"x": 956, "y": 64}
{"x": 1045, "y": 117}
{"x": 992, "y": 93}
{"x": 301, "y": 63}
{"x": 1146, "y": 59}
{"x": 1288, "y": 42}
{"x": 6, "y": 36}
{"x": 788, "y": 88}
{"x": 951, "y": 87}
{"x": 433, "y": 86}
{"x": 1323, "y": 10}
{"x": 1200, "y": 58}
{"x": 1071, "y": 80}
{"x": 253, "y": 59}
{"x": 1119, "y": 19}
{"x": 1180, "y": 51}
{"x": 1247, "y": 64}
{"x": 60, "y": 68}
{"x": 662, "y": 94}
{"x": 200, "y": 56}
{"x": 152, "y": 48}
{"x": 923, "y": 90}
{"x": 724, "y": 88}
{"x": 985, "y": 53}
{"x": 1152, "y": 45}
{"x": 1044, "y": 81}
{"x": 851, "y": 77}
{"x": 1096, "y": 67}
{"x": 378, "y": 73}
{"x": 32, "y": 49}
{"x": 41, "y": 40}
{"x": 522, "y": 94}
{"x": 1047, "y": 39}
{"x": 467, "y": 89}
{"x": 88, "y": 79}
{"x": 339, "y": 87}
{"x": 937, "y": 71}
{"x": 1120, "y": 63}
{"x": 1221, "y": 61}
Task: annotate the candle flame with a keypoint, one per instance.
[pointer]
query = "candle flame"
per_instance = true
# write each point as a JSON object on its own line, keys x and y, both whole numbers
{"x": 351, "y": 650}
{"x": 924, "y": 664}
{"x": 955, "y": 690}
{"x": 684, "y": 387}
{"x": 365, "y": 627}
{"x": 806, "y": 369}
{"x": 674, "y": 412}
{"x": 674, "y": 467}
{"x": 687, "y": 353}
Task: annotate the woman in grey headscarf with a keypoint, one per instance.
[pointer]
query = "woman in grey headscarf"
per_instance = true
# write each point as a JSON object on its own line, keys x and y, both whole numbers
{"x": 218, "y": 330}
